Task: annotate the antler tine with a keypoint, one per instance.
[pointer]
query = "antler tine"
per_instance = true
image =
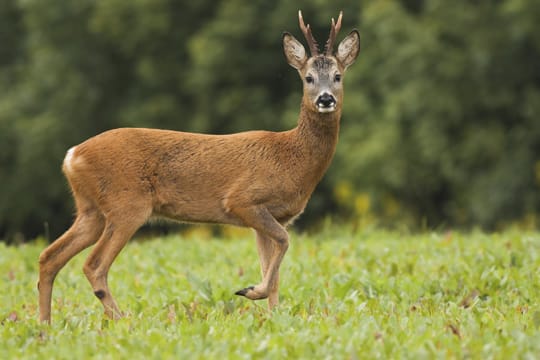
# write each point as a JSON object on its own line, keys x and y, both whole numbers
{"x": 334, "y": 30}
{"x": 312, "y": 43}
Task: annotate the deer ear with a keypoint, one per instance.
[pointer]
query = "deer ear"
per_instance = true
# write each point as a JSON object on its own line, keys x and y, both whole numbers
{"x": 348, "y": 49}
{"x": 294, "y": 51}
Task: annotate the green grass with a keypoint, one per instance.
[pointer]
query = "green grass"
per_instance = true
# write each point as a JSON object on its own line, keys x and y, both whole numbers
{"x": 344, "y": 295}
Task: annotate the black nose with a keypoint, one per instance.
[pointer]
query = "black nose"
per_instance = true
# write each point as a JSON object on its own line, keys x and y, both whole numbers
{"x": 326, "y": 100}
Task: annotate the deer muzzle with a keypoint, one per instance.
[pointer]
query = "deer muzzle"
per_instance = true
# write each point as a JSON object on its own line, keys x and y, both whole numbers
{"x": 326, "y": 102}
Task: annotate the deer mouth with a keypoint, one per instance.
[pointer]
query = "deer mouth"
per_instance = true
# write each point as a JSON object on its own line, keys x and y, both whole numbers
{"x": 326, "y": 108}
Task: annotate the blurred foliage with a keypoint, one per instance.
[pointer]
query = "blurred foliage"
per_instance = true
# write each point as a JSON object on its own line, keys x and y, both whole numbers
{"x": 440, "y": 124}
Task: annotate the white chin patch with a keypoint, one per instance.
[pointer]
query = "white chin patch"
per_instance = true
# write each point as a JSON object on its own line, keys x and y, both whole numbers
{"x": 323, "y": 109}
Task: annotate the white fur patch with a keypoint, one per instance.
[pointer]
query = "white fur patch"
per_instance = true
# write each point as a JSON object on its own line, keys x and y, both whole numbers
{"x": 329, "y": 109}
{"x": 68, "y": 160}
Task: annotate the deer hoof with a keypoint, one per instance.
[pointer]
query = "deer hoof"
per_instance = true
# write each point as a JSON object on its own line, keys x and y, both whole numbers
{"x": 251, "y": 293}
{"x": 244, "y": 291}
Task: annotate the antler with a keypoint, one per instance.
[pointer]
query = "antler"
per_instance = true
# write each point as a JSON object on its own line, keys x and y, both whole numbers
{"x": 332, "y": 37}
{"x": 312, "y": 43}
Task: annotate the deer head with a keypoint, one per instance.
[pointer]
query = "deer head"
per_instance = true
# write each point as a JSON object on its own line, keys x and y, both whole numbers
{"x": 322, "y": 73}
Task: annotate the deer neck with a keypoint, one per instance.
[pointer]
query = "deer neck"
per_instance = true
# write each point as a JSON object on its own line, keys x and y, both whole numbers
{"x": 318, "y": 135}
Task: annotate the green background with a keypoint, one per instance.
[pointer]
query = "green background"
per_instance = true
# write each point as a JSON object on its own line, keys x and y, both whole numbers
{"x": 440, "y": 125}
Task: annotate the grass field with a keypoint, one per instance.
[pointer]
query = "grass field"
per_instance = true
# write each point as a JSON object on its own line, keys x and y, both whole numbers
{"x": 344, "y": 295}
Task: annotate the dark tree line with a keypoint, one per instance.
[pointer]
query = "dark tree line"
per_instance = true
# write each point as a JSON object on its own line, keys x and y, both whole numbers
{"x": 440, "y": 124}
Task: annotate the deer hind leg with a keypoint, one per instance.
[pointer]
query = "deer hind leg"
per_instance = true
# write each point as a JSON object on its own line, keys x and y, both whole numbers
{"x": 118, "y": 230}
{"x": 271, "y": 232}
{"x": 84, "y": 232}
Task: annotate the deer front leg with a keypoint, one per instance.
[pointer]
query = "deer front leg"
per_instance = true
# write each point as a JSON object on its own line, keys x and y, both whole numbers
{"x": 273, "y": 242}
{"x": 266, "y": 249}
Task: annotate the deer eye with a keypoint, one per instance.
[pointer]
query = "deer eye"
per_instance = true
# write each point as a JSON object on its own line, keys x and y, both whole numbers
{"x": 309, "y": 79}
{"x": 337, "y": 78}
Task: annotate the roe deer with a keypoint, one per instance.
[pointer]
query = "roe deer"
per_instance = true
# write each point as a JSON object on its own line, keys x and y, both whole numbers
{"x": 257, "y": 179}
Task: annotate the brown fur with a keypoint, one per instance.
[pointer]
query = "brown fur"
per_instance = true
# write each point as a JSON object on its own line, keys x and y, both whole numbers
{"x": 256, "y": 179}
